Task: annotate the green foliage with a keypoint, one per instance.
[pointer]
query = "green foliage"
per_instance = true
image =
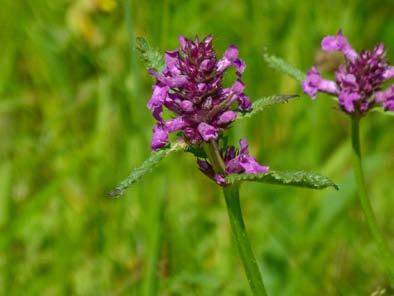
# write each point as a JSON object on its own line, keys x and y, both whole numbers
{"x": 380, "y": 110}
{"x": 152, "y": 57}
{"x": 73, "y": 120}
{"x": 147, "y": 166}
{"x": 296, "y": 179}
{"x": 262, "y": 103}
{"x": 280, "y": 65}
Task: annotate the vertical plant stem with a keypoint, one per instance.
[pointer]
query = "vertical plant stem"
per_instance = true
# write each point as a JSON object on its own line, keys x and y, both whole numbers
{"x": 365, "y": 202}
{"x": 231, "y": 194}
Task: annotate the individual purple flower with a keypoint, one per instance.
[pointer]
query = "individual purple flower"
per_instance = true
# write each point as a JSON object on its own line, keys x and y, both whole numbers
{"x": 315, "y": 83}
{"x": 387, "y": 98}
{"x": 236, "y": 162}
{"x": 159, "y": 137}
{"x": 358, "y": 81}
{"x": 191, "y": 87}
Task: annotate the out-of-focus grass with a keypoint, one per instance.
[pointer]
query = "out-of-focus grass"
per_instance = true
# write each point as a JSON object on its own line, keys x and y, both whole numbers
{"x": 73, "y": 123}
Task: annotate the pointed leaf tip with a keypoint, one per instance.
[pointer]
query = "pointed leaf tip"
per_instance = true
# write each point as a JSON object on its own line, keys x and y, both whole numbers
{"x": 147, "y": 166}
{"x": 260, "y": 104}
{"x": 151, "y": 56}
{"x": 280, "y": 65}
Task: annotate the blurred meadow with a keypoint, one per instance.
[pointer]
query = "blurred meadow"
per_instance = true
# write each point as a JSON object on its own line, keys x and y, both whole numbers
{"x": 73, "y": 123}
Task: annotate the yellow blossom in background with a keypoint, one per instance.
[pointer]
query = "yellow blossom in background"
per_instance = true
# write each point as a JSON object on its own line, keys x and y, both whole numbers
{"x": 79, "y": 19}
{"x": 106, "y": 5}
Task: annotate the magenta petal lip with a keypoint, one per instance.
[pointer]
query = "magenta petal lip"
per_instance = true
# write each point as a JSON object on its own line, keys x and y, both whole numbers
{"x": 159, "y": 138}
{"x": 240, "y": 162}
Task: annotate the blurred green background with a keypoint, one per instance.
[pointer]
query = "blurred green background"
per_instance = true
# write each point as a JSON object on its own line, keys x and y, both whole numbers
{"x": 73, "y": 122}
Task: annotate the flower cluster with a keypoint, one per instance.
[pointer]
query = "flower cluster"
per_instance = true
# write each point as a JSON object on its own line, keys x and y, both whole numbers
{"x": 358, "y": 81}
{"x": 191, "y": 86}
{"x": 236, "y": 162}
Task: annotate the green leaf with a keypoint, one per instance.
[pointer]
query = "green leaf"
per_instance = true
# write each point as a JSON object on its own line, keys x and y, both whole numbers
{"x": 146, "y": 167}
{"x": 382, "y": 111}
{"x": 297, "y": 179}
{"x": 260, "y": 104}
{"x": 151, "y": 56}
{"x": 280, "y": 65}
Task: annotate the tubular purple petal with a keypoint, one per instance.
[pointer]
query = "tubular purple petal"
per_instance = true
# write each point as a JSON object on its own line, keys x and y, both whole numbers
{"x": 207, "y": 131}
{"x": 235, "y": 163}
{"x": 348, "y": 100}
{"x": 239, "y": 66}
{"x": 231, "y": 53}
{"x": 220, "y": 180}
{"x": 251, "y": 166}
{"x": 175, "y": 124}
{"x": 158, "y": 97}
{"x": 226, "y": 118}
{"x": 386, "y": 98}
{"x": 389, "y": 73}
{"x": 187, "y": 106}
{"x": 244, "y": 103}
{"x": 314, "y": 83}
{"x": 238, "y": 87}
{"x": 339, "y": 43}
{"x": 159, "y": 137}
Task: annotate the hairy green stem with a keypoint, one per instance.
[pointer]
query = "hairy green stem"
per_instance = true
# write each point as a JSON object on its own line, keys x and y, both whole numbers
{"x": 365, "y": 202}
{"x": 231, "y": 194}
{"x": 213, "y": 154}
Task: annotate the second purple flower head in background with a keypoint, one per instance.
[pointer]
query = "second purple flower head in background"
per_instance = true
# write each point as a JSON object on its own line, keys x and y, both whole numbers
{"x": 191, "y": 87}
{"x": 358, "y": 81}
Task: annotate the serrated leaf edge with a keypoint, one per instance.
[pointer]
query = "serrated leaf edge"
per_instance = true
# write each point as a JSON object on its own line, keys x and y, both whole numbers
{"x": 278, "y": 176}
{"x": 279, "y": 64}
{"x": 146, "y": 167}
{"x": 260, "y": 104}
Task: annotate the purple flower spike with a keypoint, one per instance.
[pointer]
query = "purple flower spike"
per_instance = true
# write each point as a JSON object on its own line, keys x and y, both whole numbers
{"x": 235, "y": 163}
{"x": 358, "y": 81}
{"x": 191, "y": 86}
